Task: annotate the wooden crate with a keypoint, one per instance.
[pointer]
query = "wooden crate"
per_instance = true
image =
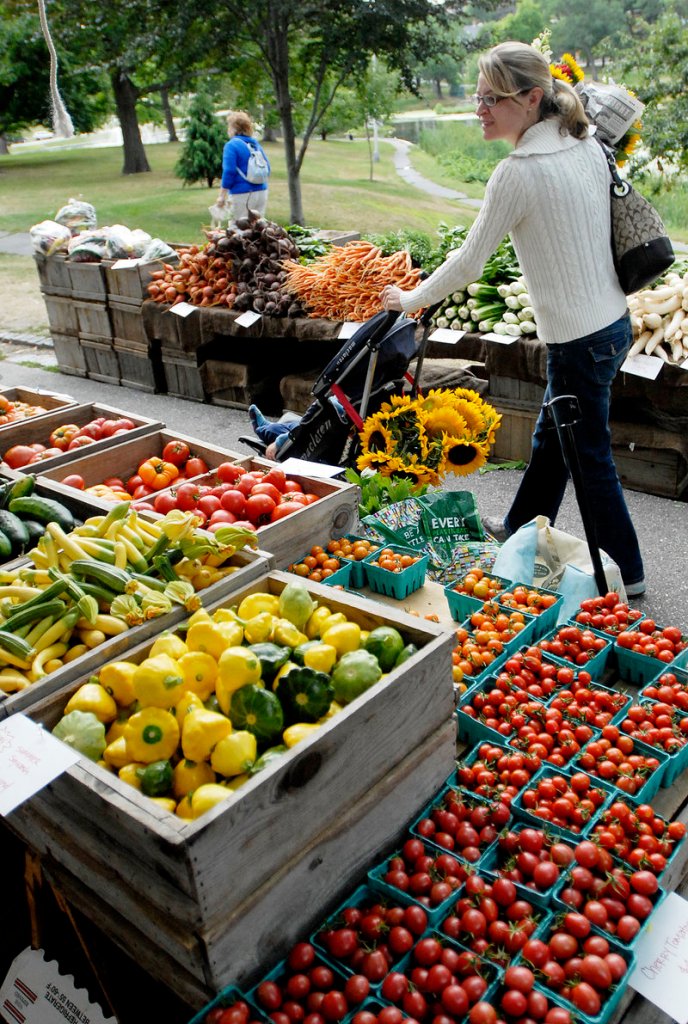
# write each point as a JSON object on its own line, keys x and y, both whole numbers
{"x": 20, "y": 433}
{"x": 334, "y": 515}
{"x": 513, "y": 389}
{"x": 182, "y": 376}
{"x": 239, "y": 385}
{"x": 192, "y": 886}
{"x": 245, "y": 945}
{"x": 129, "y": 283}
{"x": 178, "y": 335}
{"x": 140, "y": 365}
{"x": 62, "y": 317}
{"x": 53, "y": 274}
{"x": 51, "y": 401}
{"x": 513, "y": 439}
{"x": 88, "y": 280}
{"x": 94, "y": 320}
{"x": 102, "y": 362}
{"x": 70, "y": 355}
{"x": 127, "y": 322}
{"x": 123, "y": 460}
{"x": 250, "y": 565}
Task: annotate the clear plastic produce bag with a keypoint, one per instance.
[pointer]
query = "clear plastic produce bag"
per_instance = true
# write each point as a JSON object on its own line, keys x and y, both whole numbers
{"x": 77, "y": 216}
{"x": 49, "y": 237}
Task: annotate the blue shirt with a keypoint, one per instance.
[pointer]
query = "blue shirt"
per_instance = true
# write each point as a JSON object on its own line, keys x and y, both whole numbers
{"x": 234, "y": 159}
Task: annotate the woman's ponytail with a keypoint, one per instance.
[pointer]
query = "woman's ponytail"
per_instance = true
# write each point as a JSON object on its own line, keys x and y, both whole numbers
{"x": 567, "y": 105}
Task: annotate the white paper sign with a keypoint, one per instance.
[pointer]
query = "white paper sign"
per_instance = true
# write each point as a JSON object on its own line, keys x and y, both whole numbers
{"x": 446, "y": 336}
{"x": 248, "y": 318}
{"x": 34, "y": 992}
{"x": 502, "y": 339}
{"x": 348, "y": 329}
{"x": 661, "y": 973}
{"x": 300, "y": 467}
{"x": 684, "y": 366}
{"x": 124, "y": 264}
{"x": 182, "y": 309}
{"x": 30, "y": 758}
{"x": 643, "y": 366}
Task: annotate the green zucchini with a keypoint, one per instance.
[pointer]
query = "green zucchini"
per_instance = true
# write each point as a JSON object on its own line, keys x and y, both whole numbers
{"x": 13, "y": 527}
{"x": 33, "y": 612}
{"x": 5, "y": 546}
{"x": 21, "y": 488}
{"x": 15, "y": 646}
{"x": 45, "y": 510}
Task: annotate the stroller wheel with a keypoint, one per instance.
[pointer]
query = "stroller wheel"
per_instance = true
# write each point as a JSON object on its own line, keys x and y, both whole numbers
{"x": 255, "y": 443}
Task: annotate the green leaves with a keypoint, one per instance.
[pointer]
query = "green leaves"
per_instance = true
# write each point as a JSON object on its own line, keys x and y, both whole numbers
{"x": 377, "y": 491}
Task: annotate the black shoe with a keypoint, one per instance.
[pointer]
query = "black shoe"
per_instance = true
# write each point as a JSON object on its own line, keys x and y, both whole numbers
{"x": 495, "y": 527}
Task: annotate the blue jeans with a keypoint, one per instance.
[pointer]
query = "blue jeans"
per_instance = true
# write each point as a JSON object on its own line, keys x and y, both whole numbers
{"x": 584, "y": 367}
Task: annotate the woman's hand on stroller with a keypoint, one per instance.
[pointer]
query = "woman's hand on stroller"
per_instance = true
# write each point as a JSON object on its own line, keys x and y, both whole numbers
{"x": 391, "y": 297}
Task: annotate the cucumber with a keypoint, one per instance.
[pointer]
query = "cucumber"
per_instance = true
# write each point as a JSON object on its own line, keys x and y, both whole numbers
{"x": 45, "y": 510}
{"x": 35, "y": 530}
{"x": 21, "y": 488}
{"x": 5, "y": 547}
{"x": 13, "y": 527}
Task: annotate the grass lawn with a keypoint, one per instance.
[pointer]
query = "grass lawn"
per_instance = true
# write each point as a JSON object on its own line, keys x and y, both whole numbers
{"x": 336, "y": 188}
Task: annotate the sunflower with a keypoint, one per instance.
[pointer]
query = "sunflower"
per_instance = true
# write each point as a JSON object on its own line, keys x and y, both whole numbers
{"x": 445, "y": 420}
{"x": 376, "y": 436}
{"x": 433, "y": 400}
{"x": 468, "y": 394}
{"x": 465, "y": 457}
{"x": 397, "y": 401}
{"x": 472, "y": 414}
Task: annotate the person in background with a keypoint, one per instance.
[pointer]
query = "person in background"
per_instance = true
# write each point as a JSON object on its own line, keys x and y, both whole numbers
{"x": 245, "y": 196}
{"x": 551, "y": 195}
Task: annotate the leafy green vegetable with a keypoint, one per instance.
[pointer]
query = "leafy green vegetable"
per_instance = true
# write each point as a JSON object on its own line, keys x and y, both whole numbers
{"x": 378, "y": 491}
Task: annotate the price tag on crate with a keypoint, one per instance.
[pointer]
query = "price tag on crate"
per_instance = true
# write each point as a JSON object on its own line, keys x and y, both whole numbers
{"x": 661, "y": 973}
{"x": 182, "y": 309}
{"x": 319, "y": 470}
{"x": 36, "y": 992}
{"x": 348, "y": 329}
{"x": 502, "y": 339}
{"x": 30, "y": 758}
{"x": 643, "y": 366}
{"x": 446, "y": 336}
{"x": 247, "y": 319}
{"x": 125, "y": 264}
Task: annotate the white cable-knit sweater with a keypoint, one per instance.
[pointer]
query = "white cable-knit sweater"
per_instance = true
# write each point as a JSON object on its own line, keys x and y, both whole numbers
{"x": 551, "y": 195}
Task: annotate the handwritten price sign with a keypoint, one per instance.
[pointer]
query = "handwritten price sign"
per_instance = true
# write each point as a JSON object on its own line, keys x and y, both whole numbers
{"x": 30, "y": 758}
{"x": 661, "y": 973}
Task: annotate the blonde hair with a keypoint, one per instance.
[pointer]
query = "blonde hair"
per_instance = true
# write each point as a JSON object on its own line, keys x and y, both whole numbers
{"x": 240, "y": 122}
{"x": 511, "y": 68}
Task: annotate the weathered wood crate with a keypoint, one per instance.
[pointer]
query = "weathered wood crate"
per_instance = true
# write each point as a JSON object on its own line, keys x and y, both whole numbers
{"x": 23, "y": 433}
{"x": 250, "y": 565}
{"x": 176, "y": 334}
{"x": 140, "y": 365}
{"x": 128, "y": 283}
{"x": 88, "y": 280}
{"x": 62, "y": 318}
{"x": 123, "y": 460}
{"x": 127, "y": 321}
{"x": 203, "y": 895}
{"x": 70, "y": 355}
{"x": 102, "y": 362}
{"x": 182, "y": 375}
{"x": 513, "y": 439}
{"x": 239, "y": 385}
{"x": 53, "y": 274}
{"x": 94, "y": 320}
{"x": 51, "y": 401}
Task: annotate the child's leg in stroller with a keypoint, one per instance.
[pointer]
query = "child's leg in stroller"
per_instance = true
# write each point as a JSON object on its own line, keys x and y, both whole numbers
{"x": 265, "y": 429}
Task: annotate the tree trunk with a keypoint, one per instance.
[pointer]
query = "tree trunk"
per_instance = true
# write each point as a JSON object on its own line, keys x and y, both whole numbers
{"x": 591, "y": 66}
{"x": 278, "y": 50}
{"x": 438, "y": 88}
{"x": 126, "y": 94}
{"x": 167, "y": 111}
{"x": 4, "y": 146}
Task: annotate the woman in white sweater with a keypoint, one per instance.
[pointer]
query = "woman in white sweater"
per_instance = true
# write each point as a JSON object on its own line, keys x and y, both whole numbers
{"x": 551, "y": 195}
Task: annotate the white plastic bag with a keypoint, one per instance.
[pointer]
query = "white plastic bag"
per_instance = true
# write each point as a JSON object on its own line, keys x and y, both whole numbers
{"x": 77, "y": 216}
{"x": 543, "y": 556}
{"x": 219, "y": 215}
{"x": 49, "y": 237}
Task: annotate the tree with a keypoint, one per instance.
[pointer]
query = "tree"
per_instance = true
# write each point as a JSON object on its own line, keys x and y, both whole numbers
{"x": 201, "y": 156}
{"x": 144, "y": 46}
{"x": 376, "y": 90}
{"x": 313, "y": 47}
{"x": 660, "y": 80}
{"x": 24, "y": 79}
{"x": 582, "y": 25}
{"x": 526, "y": 22}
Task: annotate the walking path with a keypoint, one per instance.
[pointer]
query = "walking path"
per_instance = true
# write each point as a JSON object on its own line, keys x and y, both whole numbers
{"x": 402, "y": 165}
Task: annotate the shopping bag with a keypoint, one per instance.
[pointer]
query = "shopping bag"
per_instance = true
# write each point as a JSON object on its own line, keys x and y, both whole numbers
{"x": 540, "y": 555}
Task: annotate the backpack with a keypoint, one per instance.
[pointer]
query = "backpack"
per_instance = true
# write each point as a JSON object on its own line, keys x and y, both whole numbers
{"x": 257, "y": 169}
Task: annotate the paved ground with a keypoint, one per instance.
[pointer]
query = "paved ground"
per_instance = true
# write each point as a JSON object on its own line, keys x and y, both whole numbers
{"x": 662, "y": 524}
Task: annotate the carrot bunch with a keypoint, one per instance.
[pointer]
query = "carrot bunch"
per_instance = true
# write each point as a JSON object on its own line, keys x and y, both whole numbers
{"x": 345, "y": 283}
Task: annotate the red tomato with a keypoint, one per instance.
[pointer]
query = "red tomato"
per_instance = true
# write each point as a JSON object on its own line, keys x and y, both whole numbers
{"x": 47, "y": 453}
{"x": 228, "y": 473}
{"x": 293, "y": 487}
{"x": 222, "y": 517}
{"x": 208, "y": 504}
{"x": 259, "y": 508}
{"x": 268, "y": 489}
{"x": 187, "y": 497}
{"x": 109, "y": 428}
{"x": 276, "y": 477}
{"x": 234, "y": 501}
{"x": 195, "y": 466}
{"x": 80, "y": 441}
{"x": 74, "y": 480}
{"x": 176, "y": 452}
{"x": 281, "y": 511}
{"x": 165, "y": 502}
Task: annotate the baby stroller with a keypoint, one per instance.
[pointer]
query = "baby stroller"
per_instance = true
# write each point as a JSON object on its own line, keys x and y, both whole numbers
{"x": 328, "y": 431}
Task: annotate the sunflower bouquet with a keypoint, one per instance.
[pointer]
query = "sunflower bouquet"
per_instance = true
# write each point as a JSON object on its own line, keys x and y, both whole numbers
{"x": 423, "y": 439}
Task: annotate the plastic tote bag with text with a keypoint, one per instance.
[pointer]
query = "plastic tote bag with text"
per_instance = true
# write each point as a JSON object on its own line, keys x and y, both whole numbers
{"x": 546, "y": 557}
